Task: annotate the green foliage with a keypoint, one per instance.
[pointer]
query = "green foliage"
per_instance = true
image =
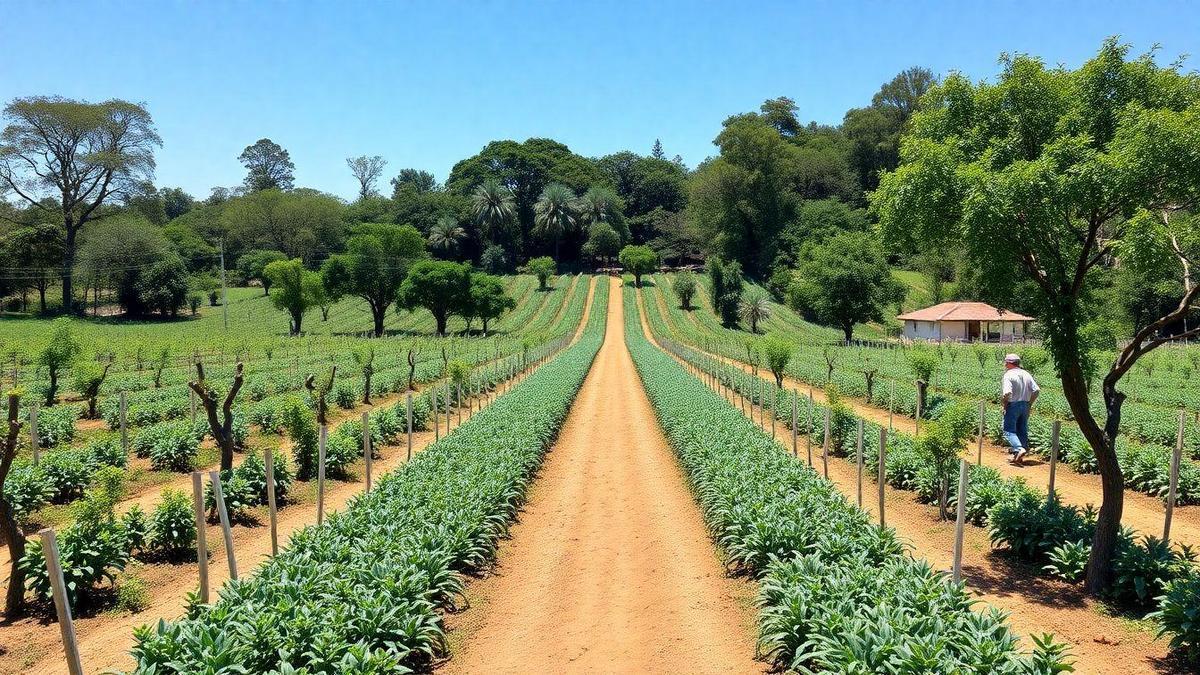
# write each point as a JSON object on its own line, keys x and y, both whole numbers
{"x": 778, "y": 353}
{"x": 173, "y": 524}
{"x": 754, "y": 308}
{"x": 603, "y": 242}
{"x": 543, "y": 268}
{"x": 375, "y": 263}
{"x": 252, "y": 265}
{"x": 1068, "y": 561}
{"x": 133, "y": 594}
{"x": 1178, "y": 614}
{"x": 489, "y": 300}
{"x": 1032, "y": 526}
{"x": 725, "y": 288}
{"x": 684, "y": 286}
{"x": 638, "y": 261}
{"x": 844, "y": 281}
{"x": 1142, "y": 569}
{"x": 440, "y": 286}
{"x": 58, "y": 354}
{"x": 300, "y": 423}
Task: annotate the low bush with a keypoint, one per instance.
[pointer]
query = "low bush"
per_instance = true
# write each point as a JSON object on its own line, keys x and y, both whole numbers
{"x": 172, "y": 530}
{"x": 1032, "y": 526}
{"x": 1179, "y": 615}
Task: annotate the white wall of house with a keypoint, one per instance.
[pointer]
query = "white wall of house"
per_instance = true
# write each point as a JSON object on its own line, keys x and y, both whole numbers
{"x": 959, "y": 330}
{"x": 953, "y": 330}
{"x": 921, "y": 330}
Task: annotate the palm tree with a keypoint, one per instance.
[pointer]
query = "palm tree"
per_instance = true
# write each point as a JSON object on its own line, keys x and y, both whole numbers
{"x": 598, "y": 205}
{"x": 755, "y": 308}
{"x": 445, "y": 235}
{"x": 554, "y": 214}
{"x": 493, "y": 206}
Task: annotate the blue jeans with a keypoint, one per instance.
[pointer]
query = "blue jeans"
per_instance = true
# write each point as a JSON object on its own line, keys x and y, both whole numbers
{"x": 1016, "y": 424}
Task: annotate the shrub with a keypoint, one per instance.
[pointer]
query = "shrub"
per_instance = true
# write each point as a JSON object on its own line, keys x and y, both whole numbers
{"x": 345, "y": 396}
{"x": 1179, "y": 614}
{"x": 133, "y": 595}
{"x": 69, "y": 471}
{"x": 137, "y": 530}
{"x": 301, "y": 425}
{"x": 778, "y": 352}
{"x": 56, "y": 425}
{"x": 1142, "y": 569}
{"x": 1068, "y": 561}
{"x": 1031, "y": 526}
{"x": 173, "y": 525}
{"x": 27, "y": 489}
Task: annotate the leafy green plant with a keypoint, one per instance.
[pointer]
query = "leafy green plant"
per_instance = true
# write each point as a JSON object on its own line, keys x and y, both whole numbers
{"x": 133, "y": 594}
{"x": 1068, "y": 561}
{"x": 778, "y": 352}
{"x": 1142, "y": 569}
{"x": 1178, "y": 614}
{"x": 172, "y": 530}
{"x": 1032, "y": 526}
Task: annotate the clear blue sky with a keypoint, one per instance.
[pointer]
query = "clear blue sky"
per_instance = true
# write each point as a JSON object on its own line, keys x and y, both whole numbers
{"x": 426, "y": 84}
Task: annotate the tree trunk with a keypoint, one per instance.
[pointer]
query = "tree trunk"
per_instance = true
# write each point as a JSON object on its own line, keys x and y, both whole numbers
{"x": 296, "y": 318}
{"x": 14, "y": 600}
{"x": 52, "y": 392}
{"x": 441, "y": 323}
{"x": 42, "y": 295}
{"x": 1112, "y": 481}
{"x": 68, "y": 290}
{"x": 485, "y": 323}
{"x": 848, "y": 331}
{"x": 378, "y": 313}
{"x": 922, "y": 394}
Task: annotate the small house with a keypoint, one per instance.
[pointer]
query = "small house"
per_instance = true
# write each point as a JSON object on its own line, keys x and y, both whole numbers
{"x": 965, "y": 321}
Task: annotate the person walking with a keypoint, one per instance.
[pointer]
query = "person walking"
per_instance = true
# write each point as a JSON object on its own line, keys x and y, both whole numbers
{"x": 1019, "y": 391}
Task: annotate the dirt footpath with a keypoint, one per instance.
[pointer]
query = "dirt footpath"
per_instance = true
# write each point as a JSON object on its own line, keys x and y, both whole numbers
{"x": 610, "y": 568}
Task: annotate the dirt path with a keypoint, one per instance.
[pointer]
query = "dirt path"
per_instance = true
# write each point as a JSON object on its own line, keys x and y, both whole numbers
{"x": 610, "y": 568}
{"x": 1100, "y": 643}
{"x": 1142, "y": 512}
{"x": 33, "y": 645}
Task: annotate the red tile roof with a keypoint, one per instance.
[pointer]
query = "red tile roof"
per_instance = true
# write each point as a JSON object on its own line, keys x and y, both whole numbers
{"x": 962, "y": 311}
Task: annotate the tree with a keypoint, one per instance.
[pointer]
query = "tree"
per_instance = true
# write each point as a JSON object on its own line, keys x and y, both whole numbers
{"x": 375, "y": 263}
{"x": 601, "y": 205}
{"x": 489, "y": 299}
{"x": 778, "y": 353}
{"x": 493, "y": 206}
{"x": 555, "y": 213}
{"x": 874, "y": 131}
{"x": 725, "y": 285}
{"x": 58, "y": 354}
{"x": 297, "y": 290}
{"x": 420, "y": 181}
{"x": 755, "y": 308}
{"x": 645, "y": 183}
{"x": 221, "y": 426}
{"x": 685, "y": 289}
{"x": 89, "y": 376}
{"x": 117, "y": 252}
{"x": 781, "y": 114}
{"x": 253, "y": 265}
{"x": 176, "y": 202}
{"x": 638, "y": 261}
{"x": 603, "y": 242}
{"x": 446, "y": 235}
{"x": 844, "y": 281}
{"x": 366, "y": 171}
{"x": 942, "y": 444}
{"x": 543, "y": 268}
{"x": 493, "y": 260}
{"x": 302, "y": 223}
{"x": 163, "y": 287}
{"x": 37, "y": 251}
{"x": 67, "y": 159}
{"x": 14, "y": 599}
{"x": 442, "y": 287}
{"x": 657, "y": 150}
{"x": 1045, "y": 176}
{"x": 268, "y": 166}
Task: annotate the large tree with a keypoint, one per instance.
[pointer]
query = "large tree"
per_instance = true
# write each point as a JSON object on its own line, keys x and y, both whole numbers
{"x": 874, "y": 131}
{"x": 375, "y": 263}
{"x": 556, "y": 214}
{"x": 1047, "y": 175}
{"x": 252, "y": 265}
{"x": 442, "y": 287}
{"x": 297, "y": 290}
{"x": 35, "y": 251}
{"x": 67, "y": 159}
{"x": 493, "y": 206}
{"x": 489, "y": 299}
{"x": 268, "y": 166}
{"x": 303, "y": 223}
{"x": 844, "y": 281}
{"x": 366, "y": 171}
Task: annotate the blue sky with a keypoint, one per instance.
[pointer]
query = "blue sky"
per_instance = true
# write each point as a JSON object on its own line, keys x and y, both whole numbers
{"x": 426, "y": 84}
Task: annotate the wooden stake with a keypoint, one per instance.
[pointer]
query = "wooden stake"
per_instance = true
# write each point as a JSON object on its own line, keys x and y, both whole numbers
{"x": 437, "y": 425}
{"x": 226, "y": 531}
{"x": 808, "y": 429}
{"x": 825, "y": 446}
{"x": 366, "y": 443}
{"x": 269, "y": 453}
{"x": 795, "y": 422}
{"x": 447, "y": 408}
{"x": 860, "y": 461}
{"x": 59, "y": 588}
{"x": 774, "y": 402}
{"x": 881, "y": 480}
{"x": 918, "y": 433}
{"x": 201, "y": 533}
{"x": 459, "y": 403}
{"x": 1174, "y": 483}
{"x": 1055, "y": 431}
{"x": 982, "y": 430}
{"x": 322, "y": 440}
{"x": 891, "y": 401}
{"x": 192, "y": 404}
{"x": 124, "y": 409}
{"x": 34, "y": 438}
{"x": 962, "y": 519}
{"x": 409, "y": 407}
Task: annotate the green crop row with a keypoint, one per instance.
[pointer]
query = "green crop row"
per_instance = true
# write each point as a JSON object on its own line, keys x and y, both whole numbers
{"x": 837, "y": 593}
{"x": 362, "y": 592}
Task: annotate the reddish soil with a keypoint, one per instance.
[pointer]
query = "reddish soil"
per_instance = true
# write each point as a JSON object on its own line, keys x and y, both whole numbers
{"x": 1100, "y": 643}
{"x": 33, "y": 644}
{"x": 610, "y": 568}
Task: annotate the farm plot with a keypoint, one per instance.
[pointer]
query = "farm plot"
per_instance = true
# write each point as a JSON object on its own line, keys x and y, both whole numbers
{"x": 1020, "y": 521}
{"x": 400, "y": 548}
{"x": 836, "y": 592}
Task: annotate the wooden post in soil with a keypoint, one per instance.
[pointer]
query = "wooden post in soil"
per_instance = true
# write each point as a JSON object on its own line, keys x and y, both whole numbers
{"x": 408, "y": 408}
{"x": 124, "y": 414}
{"x": 982, "y": 430}
{"x": 214, "y": 477}
{"x": 35, "y": 441}
{"x": 1055, "y": 432}
{"x": 446, "y": 396}
{"x": 323, "y": 438}
{"x": 795, "y": 422}
{"x": 881, "y": 478}
{"x": 891, "y": 401}
{"x": 774, "y": 402}
{"x": 366, "y": 445}
{"x": 433, "y": 403}
{"x": 1176, "y": 457}
{"x": 825, "y": 446}
{"x": 860, "y": 460}
{"x": 59, "y": 589}
{"x": 201, "y": 534}
{"x": 961, "y": 520}
{"x": 192, "y": 405}
{"x": 918, "y": 430}
{"x": 272, "y": 507}
{"x": 808, "y": 429}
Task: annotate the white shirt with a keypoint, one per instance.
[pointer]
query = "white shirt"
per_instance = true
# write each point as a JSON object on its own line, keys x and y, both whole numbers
{"x": 1018, "y": 384}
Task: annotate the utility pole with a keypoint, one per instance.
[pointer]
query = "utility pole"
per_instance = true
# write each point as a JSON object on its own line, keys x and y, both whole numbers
{"x": 224, "y": 290}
